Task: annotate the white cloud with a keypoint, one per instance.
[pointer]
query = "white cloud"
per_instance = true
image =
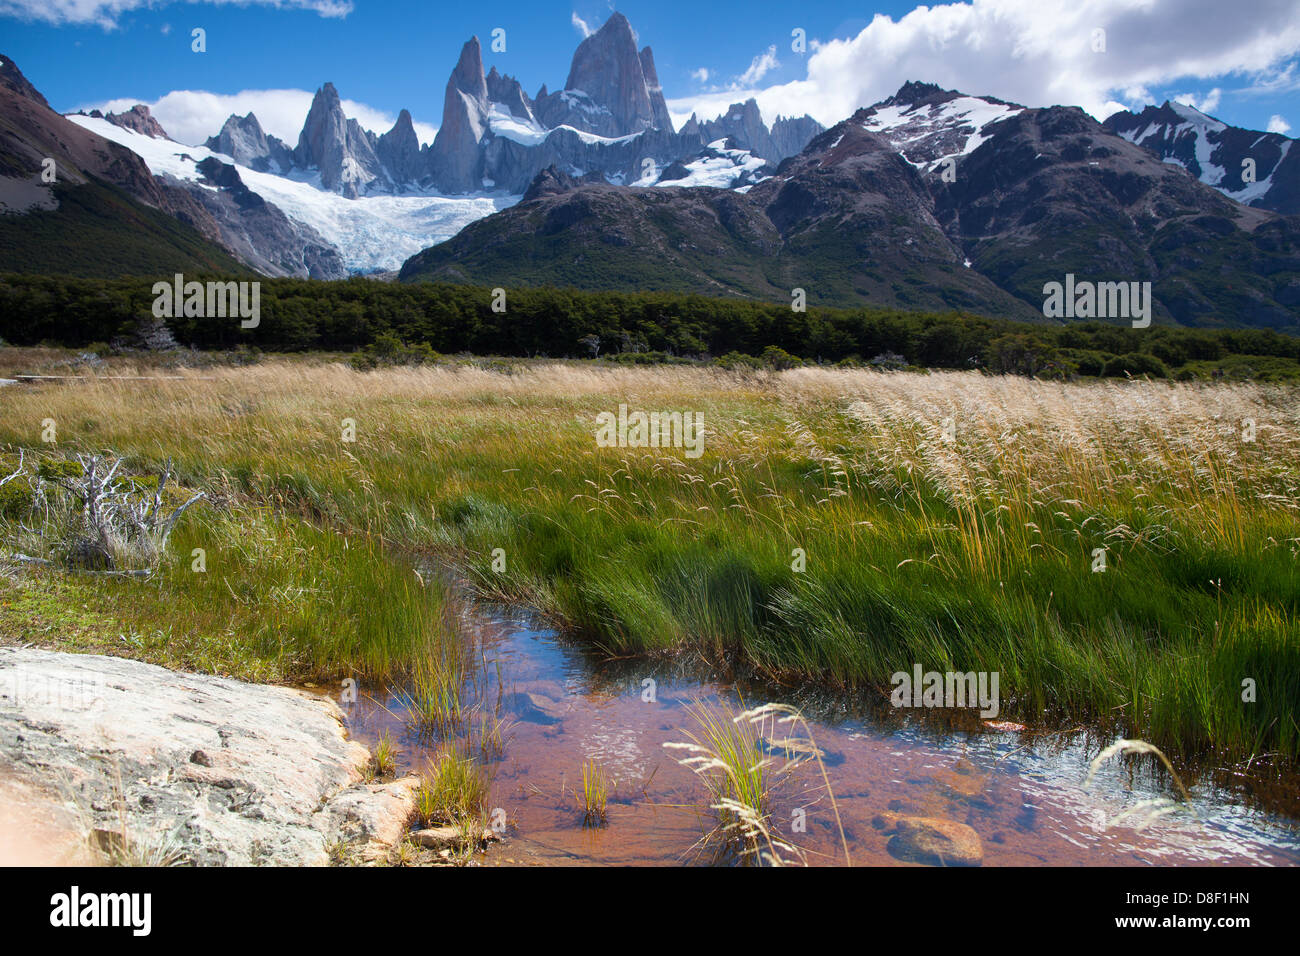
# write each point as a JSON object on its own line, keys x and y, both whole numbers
{"x": 759, "y": 67}
{"x": 1274, "y": 82}
{"x": 700, "y": 76}
{"x": 1036, "y": 52}
{"x": 191, "y": 116}
{"x": 1206, "y": 105}
{"x": 1276, "y": 124}
{"x": 105, "y": 13}
{"x": 580, "y": 25}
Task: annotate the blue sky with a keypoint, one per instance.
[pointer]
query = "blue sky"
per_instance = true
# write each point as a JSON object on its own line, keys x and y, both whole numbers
{"x": 384, "y": 55}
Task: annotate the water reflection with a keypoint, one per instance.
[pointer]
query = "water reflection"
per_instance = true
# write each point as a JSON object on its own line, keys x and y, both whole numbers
{"x": 1020, "y": 792}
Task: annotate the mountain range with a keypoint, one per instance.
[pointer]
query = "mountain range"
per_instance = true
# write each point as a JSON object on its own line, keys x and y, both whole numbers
{"x": 610, "y": 117}
{"x": 931, "y": 198}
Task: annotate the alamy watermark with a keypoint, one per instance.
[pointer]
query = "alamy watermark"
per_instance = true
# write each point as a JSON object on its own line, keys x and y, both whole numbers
{"x": 949, "y": 689}
{"x": 651, "y": 430}
{"x": 1098, "y": 300}
{"x": 211, "y": 300}
{"x": 21, "y": 690}
{"x": 130, "y": 910}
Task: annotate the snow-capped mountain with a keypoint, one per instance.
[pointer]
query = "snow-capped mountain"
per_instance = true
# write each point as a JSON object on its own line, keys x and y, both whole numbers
{"x": 244, "y": 141}
{"x": 371, "y": 201}
{"x": 1254, "y": 168}
{"x": 928, "y": 125}
{"x": 610, "y": 118}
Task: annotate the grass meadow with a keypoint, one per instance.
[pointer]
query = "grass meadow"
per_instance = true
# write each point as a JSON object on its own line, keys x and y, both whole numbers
{"x": 840, "y": 526}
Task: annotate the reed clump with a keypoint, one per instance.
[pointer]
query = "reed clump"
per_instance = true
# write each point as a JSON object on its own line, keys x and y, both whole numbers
{"x": 840, "y": 526}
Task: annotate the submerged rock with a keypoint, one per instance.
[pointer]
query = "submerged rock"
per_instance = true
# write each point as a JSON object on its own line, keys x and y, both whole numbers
{"x": 795, "y": 749}
{"x": 205, "y": 770}
{"x": 932, "y": 840}
{"x": 534, "y": 708}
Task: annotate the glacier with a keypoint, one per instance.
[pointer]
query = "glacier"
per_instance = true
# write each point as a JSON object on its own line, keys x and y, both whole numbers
{"x": 372, "y": 233}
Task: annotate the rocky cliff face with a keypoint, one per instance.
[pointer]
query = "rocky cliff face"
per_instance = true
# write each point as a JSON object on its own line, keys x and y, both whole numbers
{"x": 259, "y": 233}
{"x": 244, "y": 141}
{"x": 337, "y": 147}
{"x": 607, "y": 87}
{"x": 455, "y": 160}
{"x": 658, "y": 105}
{"x": 139, "y": 119}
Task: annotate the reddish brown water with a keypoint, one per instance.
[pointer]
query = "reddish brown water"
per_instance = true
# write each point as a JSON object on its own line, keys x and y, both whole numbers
{"x": 1023, "y": 795}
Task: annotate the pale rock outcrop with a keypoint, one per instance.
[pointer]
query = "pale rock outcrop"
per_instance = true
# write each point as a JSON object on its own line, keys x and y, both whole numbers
{"x": 220, "y": 771}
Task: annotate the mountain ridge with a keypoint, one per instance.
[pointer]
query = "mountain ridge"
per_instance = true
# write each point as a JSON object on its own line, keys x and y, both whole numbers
{"x": 1035, "y": 194}
{"x": 1254, "y": 168}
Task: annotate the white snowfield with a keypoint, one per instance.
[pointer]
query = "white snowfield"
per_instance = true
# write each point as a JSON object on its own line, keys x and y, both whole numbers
{"x": 371, "y": 232}
{"x": 967, "y": 116}
{"x": 505, "y": 124}
{"x": 720, "y": 170}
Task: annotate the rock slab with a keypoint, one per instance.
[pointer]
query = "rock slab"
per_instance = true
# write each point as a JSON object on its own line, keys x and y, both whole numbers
{"x": 220, "y": 771}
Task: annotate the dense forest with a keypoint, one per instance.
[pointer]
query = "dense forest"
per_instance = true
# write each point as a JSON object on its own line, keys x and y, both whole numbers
{"x": 385, "y": 322}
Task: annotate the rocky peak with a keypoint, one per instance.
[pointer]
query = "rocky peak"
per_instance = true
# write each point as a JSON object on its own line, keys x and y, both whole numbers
{"x": 791, "y": 134}
{"x": 337, "y": 146}
{"x": 913, "y": 93}
{"x": 399, "y": 150}
{"x": 12, "y": 78}
{"x": 139, "y": 119}
{"x": 742, "y": 126}
{"x": 549, "y": 182}
{"x": 243, "y": 140}
{"x": 928, "y": 124}
{"x": 658, "y": 105}
{"x": 456, "y": 162}
{"x": 607, "y": 68}
{"x": 507, "y": 91}
{"x": 325, "y": 126}
{"x": 468, "y": 76}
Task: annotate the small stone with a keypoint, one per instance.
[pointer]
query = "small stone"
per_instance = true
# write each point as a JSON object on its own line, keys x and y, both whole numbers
{"x": 436, "y": 838}
{"x": 932, "y": 840}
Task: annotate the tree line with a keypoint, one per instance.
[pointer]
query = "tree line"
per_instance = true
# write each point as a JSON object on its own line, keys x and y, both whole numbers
{"x": 369, "y": 317}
